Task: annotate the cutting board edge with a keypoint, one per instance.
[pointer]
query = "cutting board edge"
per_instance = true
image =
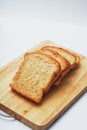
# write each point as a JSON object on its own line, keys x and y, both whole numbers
{"x": 57, "y": 115}
{"x": 44, "y": 126}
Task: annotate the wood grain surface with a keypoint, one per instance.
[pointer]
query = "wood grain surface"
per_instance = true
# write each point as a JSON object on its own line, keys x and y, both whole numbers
{"x": 54, "y": 103}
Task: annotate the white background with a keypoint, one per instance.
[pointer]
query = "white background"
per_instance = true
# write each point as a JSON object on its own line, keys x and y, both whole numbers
{"x": 23, "y": 24}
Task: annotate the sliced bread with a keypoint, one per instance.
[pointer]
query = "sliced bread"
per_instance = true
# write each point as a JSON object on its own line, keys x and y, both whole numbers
{"x": 65, "y": 65}
{"x": 35, "y": 75}
{"x": 70, "y": 56}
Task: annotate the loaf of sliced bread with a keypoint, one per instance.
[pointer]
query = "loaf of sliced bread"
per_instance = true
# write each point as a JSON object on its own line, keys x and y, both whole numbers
{"x": 35, "y": 75}
{"x": 65, "y": 65}
{"x": 71, "y": 57}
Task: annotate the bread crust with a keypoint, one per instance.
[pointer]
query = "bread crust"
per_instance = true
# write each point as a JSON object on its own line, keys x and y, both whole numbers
{"x": 70, "y": 56}
{"x": 73, "y": 60}
{"x": 65, "y": 65}
{"x": 19, "y": 84}
{"x": 77, "y": 58}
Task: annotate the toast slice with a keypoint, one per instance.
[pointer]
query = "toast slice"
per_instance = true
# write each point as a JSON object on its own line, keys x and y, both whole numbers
{"x": 65, "y": 65}
{"x": 70, "y": 56}
{"x": 35, "y": 75}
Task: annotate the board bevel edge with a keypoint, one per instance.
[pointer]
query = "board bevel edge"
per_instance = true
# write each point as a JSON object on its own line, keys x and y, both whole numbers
{"x": 45, "y": 126}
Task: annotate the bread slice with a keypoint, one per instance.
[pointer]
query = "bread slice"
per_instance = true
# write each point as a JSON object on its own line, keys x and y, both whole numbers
{"x": 35, "y": 75}
{"x": 71, "y": 57}
{"x": 65, "y": 65}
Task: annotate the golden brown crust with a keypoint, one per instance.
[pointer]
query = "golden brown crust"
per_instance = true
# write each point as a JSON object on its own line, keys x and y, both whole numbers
{"x": 65, "y": 65}
{"x": 61, "y": 60}
{"x": 37, "y": 99}
{"x": 77, "y": 58}
{"x": 28, "y": 88}
{"x": 71, "y": 57}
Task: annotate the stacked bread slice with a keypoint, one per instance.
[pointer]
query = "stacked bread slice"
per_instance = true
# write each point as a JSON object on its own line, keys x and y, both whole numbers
{"x": 69, "y": 60}
{"x": 41, "y": 69}
{"x": 36, "y": 75}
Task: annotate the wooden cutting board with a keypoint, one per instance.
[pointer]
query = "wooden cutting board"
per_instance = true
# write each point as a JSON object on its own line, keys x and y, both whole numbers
{"x": 55, "y": 102}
